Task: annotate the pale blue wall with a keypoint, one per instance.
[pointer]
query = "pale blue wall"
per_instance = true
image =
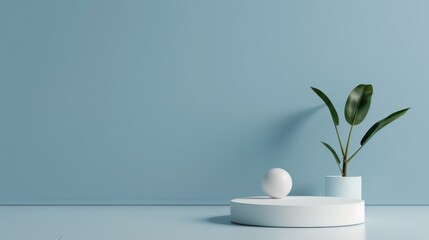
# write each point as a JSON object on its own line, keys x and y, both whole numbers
{"x": 192, "y": 101}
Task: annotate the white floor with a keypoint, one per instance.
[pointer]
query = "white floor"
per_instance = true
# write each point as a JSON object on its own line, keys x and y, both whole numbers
{"x": 192, "y": 222}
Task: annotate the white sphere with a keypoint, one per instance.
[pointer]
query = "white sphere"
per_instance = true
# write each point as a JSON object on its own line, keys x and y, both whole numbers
{"x": 277, "y": 183}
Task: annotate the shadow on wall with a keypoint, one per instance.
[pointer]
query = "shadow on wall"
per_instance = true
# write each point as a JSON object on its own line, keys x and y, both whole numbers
{"x": 286, "y": 129}
{"x": 272, "y": 146}
{"x": 281, "y": 142}
{"x": 269, "y": 147}
{"x": 275, "y": 140}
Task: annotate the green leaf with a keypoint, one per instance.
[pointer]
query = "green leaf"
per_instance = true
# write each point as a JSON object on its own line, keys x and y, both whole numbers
{"x": 333, "y": 152}
{"x": 358, "y": 104}
{"x": 381, "y": 124}
{"x": 329, "y": 104}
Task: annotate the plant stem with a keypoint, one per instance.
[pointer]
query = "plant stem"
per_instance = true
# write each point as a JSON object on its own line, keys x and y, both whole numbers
{"x": 339, "y": 139}
{"x": 344, "y": 172}
{"x": 347, "y": 151}
{"x": 344, "y": 169}
{"x": 348, "y": 142}
{"x": 355, "y": 153}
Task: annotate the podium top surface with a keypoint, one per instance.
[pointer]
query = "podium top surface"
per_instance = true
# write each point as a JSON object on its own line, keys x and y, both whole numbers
{"x": 296, "y": 201}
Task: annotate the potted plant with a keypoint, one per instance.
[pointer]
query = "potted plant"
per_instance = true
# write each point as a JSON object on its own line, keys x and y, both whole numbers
{"x": 356, "y": 109}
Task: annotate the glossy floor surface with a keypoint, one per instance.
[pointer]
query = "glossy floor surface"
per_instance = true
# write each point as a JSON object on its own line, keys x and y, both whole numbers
{"x": 192, "y": 222}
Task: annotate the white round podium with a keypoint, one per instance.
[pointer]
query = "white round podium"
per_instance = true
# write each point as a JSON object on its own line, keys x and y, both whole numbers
{"x": 298, "y": 211}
